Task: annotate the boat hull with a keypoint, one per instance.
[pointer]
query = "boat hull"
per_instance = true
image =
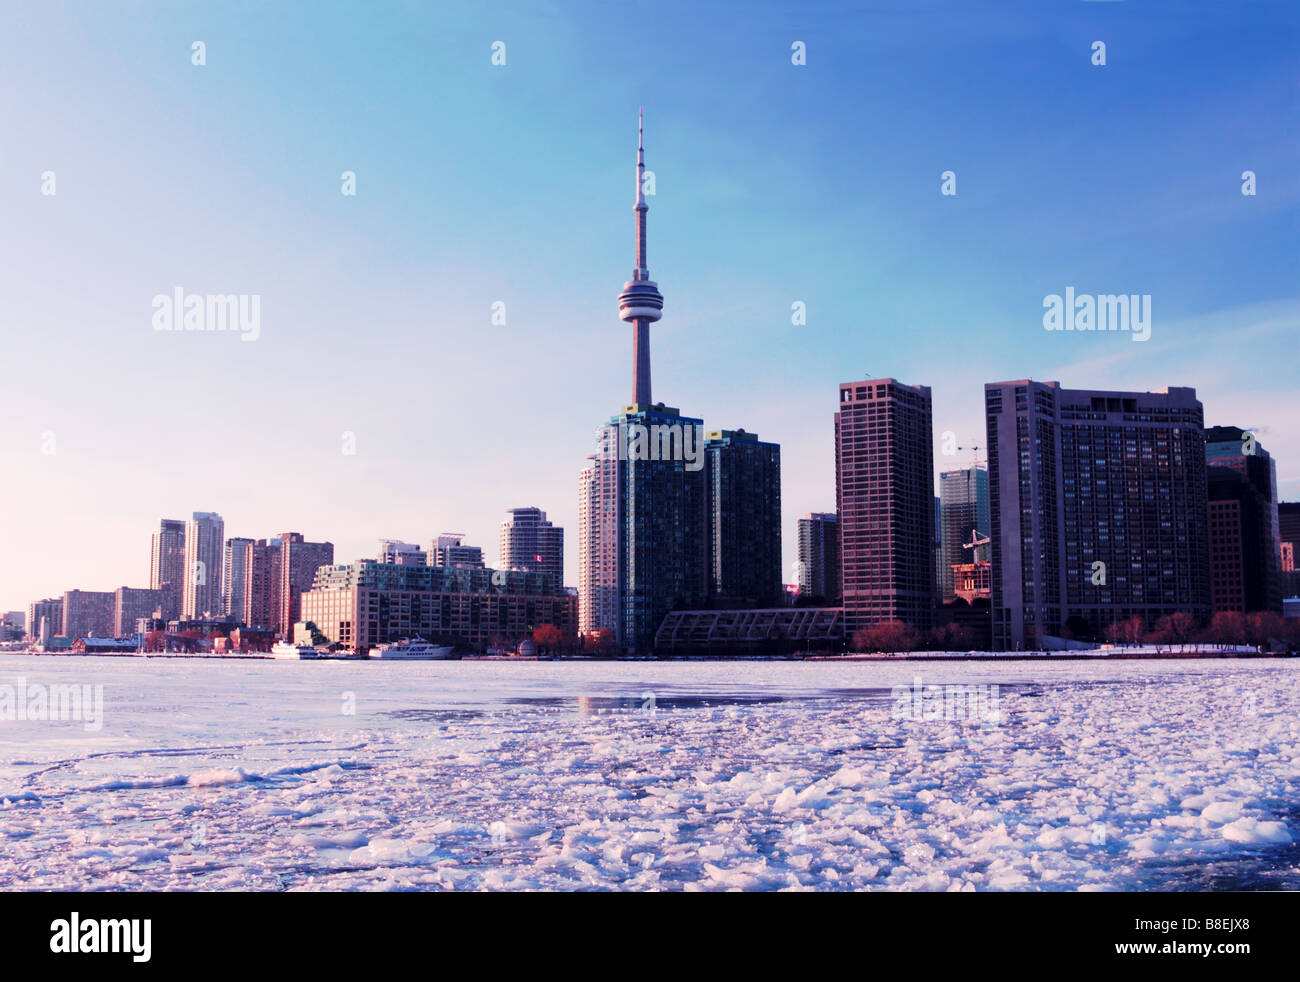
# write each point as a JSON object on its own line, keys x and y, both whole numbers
{"x": 438, "y": 653}
{"x": 293, "y": 653}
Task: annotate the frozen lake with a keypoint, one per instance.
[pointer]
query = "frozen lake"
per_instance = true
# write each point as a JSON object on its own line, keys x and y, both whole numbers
{"x": 264, "y": 775}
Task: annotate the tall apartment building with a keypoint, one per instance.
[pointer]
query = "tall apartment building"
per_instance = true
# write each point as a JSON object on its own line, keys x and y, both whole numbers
{"x": 1245, "y": 540}
{"x": 234, "y": 576}
{"x": 819, "y": 556}
{"x": 167, "y": 565}
{"x": 647, "y": 500}
{"x": 1288, "y": 523}
{"x": 299, "y": 561}
{"x": 938, "y": 548}
{"x": 964, "y": 508}
{"x": 262, "y": 584}
{"x": 743, "y": 500}
{"x": 530, "y": 543}
{"x": 884, "y": 493}
{"x": 202, "y": 594}
{"x": 449, "y": 550}
{"x": 599, "y": 580}
{"x": 87, "y": 613}
{"x": 49, "y": 610}
{"x": 130, "y": 604}
{"x": 1097, "y": 508}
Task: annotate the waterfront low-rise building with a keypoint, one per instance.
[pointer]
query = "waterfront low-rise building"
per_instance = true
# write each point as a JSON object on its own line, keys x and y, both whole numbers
{"x": 772, "y": 631}
{"x": 103, "y": 646}
{"x": 367, "y": 603}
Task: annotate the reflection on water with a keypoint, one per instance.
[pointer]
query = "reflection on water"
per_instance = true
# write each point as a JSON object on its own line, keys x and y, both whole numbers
{"x": 647, "y": 700}
{"x": 434, "y": 715}
{"x": 650, "y": 700}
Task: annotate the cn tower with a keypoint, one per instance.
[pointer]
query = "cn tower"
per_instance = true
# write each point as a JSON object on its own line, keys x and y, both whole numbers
{"x": 640, "y": 303}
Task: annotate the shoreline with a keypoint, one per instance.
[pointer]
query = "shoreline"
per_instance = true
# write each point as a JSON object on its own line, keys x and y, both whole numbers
{"x": 926, "y": 656}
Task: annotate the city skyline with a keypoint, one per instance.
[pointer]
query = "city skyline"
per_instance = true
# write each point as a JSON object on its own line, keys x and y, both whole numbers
{"x": 350, "y": 542}
{"x": 742, "y": 233}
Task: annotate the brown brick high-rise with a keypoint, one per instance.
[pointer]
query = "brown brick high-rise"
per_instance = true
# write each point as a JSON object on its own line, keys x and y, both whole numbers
{"x": 884, "y": 494}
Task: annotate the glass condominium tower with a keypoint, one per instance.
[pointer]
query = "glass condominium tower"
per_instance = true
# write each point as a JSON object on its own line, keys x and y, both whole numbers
{"x": 743, "y": 477}
{"x": 643, "y": 545}
{"x": 818, "y": 569}
{"x": 202, "y": 594}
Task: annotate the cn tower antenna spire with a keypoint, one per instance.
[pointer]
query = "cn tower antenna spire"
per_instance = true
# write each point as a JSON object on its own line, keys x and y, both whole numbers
{"x": 640, "y": 157}
{"x": 640, "y": 303}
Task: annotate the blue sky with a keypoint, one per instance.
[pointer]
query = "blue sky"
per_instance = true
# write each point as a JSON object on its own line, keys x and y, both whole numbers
{"x": 477, "y": 183}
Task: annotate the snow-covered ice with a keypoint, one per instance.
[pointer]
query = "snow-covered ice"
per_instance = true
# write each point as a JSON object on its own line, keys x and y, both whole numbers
{"x": 644, "y": 775}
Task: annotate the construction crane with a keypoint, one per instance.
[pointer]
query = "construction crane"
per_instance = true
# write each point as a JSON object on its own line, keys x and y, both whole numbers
{"x": 975, "y": 458}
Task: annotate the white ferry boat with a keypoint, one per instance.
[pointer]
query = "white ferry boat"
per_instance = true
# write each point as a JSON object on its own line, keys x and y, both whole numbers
{"x": 293, "y": 652}
{"x": 412, "y": 649}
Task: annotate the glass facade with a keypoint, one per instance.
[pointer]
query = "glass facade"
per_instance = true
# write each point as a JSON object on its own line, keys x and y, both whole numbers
{"x": 743, "y": 475}
{"x": 662, "y": 548}
{"x": 818, "y": 572}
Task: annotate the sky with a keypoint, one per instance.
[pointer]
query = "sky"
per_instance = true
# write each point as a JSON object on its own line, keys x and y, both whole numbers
{"x": 481, "y": 184}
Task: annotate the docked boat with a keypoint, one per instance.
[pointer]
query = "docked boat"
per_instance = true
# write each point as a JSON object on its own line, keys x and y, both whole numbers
{"x": 289, "y": 651}
{"x": 412, "y": 649}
